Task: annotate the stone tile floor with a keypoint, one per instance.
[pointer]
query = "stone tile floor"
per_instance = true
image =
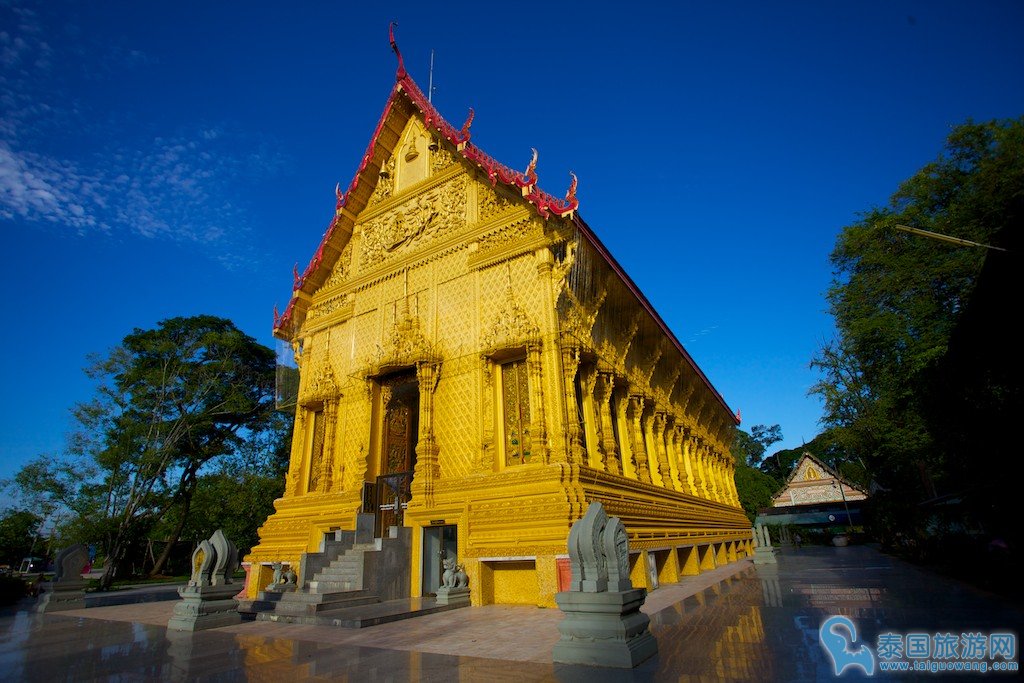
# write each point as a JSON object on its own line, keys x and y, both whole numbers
{"x": 736, "y": 623}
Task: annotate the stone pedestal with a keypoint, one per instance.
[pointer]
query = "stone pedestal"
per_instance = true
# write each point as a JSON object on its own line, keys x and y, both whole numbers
{"x": 209, "y": 601}
{"x": 453, "y": 596}
{"x": 765, "y": 553}
{"x": 203, "y": 607}
{"x": 67, "y": 591}
{"x": 603, "y": 624}
{"x": 604, "y": 629}
{"x": 62, "y": 595}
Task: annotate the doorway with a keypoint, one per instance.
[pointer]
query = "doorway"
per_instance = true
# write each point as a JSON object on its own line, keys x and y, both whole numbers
{"x": 400, "y": 407}
{"x": 439, "y": 543}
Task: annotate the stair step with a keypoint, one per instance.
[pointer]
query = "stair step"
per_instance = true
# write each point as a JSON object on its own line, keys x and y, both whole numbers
{"x": 328, "y": 587}
{"x": 343, "y": 571}
{"x": 324, "y": 597}
{"x": 337, "y": 601}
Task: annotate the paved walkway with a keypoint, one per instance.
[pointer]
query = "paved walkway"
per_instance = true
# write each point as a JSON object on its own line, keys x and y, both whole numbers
{"x": 736, "y": 623}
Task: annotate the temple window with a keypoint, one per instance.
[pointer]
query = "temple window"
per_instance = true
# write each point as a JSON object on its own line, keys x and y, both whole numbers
{"x": 515, "y": 411}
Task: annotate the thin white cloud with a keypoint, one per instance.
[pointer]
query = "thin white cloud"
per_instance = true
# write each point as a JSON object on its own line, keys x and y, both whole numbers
{"x": 184, "y": 186}
{"x": 36, "y": 187}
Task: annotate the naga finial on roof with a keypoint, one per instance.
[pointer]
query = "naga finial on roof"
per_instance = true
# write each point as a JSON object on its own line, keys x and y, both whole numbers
{"x": 570, "y": 196}
{"x": 531, "y": 170}
{"x": 464, "y": 133}
{"x": 394, "y": 46}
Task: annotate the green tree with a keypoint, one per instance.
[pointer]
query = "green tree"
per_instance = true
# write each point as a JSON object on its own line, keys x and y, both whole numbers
{"x": 896, "y": 298}
{"x": 19, "y": 530}
{"x": 750, "y": 447}
{"x": 238, "y": 494}
{"x": 169, "y": 401}
{"x": 755, "y": 488}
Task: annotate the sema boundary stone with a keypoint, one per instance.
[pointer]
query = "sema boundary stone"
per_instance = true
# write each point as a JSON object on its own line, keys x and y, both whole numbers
{"x": 67, "y": 590}
{"x": 603, "y": 624}
{"x": 208, "y": 601}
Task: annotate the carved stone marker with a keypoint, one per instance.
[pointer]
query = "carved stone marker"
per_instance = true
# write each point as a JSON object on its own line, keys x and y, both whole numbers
{"x": 208, "y": 600}
{"x": 764, "y": 553}
{"x": 67, "y": 590}
{"x": 454, "y": 589}
{"x": 603, "y": 624}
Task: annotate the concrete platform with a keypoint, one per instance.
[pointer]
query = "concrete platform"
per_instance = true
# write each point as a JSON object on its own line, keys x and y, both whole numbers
{"x": 734, "y": 623}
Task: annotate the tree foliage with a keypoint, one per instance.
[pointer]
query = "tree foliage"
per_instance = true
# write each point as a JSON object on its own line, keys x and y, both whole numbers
{"x": 896, "y": 299}
{"x": 169, "y": 401}
{"x": 755, "y": 488}
{"x": 18, "y": 536}
{"x": 750, "y": 447}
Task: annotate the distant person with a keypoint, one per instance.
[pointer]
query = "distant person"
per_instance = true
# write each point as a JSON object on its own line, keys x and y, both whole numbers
{"x": 797, "y": 540}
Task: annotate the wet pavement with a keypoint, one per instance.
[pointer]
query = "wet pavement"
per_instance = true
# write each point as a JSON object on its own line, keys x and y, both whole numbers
{"x": 735, "y": 623}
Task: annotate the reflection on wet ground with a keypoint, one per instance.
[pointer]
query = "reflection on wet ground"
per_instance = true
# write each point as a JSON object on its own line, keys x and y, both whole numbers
{"x": 757, "y": 624}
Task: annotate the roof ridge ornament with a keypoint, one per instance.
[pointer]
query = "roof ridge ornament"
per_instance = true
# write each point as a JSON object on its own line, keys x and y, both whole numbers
{"x": 464, "y": 132}
{"x": 531, "y": 170}
{"x": 570, "y": 196}
{"x": 394, "y": 46}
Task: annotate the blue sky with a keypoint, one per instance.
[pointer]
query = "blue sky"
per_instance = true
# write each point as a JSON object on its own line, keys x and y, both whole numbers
{"x": 164, "y": 159}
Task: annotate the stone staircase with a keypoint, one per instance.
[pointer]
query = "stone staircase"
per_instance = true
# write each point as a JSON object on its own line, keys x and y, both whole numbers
{"x": 338, "y": 585}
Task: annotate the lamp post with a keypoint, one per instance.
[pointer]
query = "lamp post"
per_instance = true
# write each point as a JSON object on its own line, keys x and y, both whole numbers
{"x": 849, "y": 520}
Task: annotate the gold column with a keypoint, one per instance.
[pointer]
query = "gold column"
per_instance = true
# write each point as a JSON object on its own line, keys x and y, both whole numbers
{"x": 693, "y": 472}
{"x": 539, "y": 428}
{"x": 603, "y": 398}
{"x": 427, "y": 467}
{"x": 574, "y": 444}
{"x": 592, "y": 418}
{"x": 699, "y": 483}
{"x": 715, "y": 478}
{"x": 658, "y": 429}
{"x": 675, "y": 456}
{"x": 705, "y": 482}
{"x": 682, "y": 468}
{"x": 636, "y": 440}
{"x": 732, "y": 484}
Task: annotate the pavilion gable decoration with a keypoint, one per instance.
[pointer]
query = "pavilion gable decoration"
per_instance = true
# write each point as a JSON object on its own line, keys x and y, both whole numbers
{"x": 813, "y": 482}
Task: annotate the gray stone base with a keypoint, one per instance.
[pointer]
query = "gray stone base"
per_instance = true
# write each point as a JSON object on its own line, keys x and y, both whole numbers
{"x": 60, "y": 597}
{"x": 452, "y": 596}
{"x": 765, "y": 556}
{"x": 604, "y": 629}
{"x": 205, "y": 607}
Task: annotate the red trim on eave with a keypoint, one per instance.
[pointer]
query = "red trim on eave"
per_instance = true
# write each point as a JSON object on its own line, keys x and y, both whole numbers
{"x": 610, "y": 260}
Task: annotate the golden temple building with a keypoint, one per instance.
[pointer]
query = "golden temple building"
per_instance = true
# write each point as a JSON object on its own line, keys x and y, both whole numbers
{"x": 476, "y": 368}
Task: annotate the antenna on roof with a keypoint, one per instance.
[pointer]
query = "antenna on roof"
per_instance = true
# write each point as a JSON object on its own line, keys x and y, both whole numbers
{"x": 430, "y": 84}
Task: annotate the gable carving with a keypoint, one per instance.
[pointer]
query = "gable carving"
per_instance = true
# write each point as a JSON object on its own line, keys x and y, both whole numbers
{"x": 341, "y": 268}
{"x": 490, "y": 202}
{"x": 385, "y": 182}
{"x": 414, "y": 223}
